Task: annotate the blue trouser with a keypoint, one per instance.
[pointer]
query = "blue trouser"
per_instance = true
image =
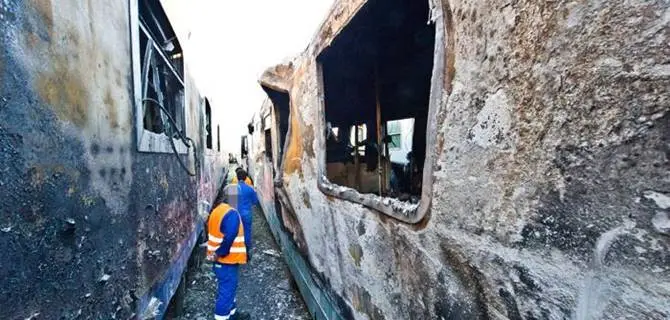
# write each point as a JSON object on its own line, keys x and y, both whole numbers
{"x": 247, "y": 222}
{"x": 227, "y": 276}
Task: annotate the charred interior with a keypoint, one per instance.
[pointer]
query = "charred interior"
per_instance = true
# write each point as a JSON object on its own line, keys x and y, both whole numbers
{"x": 376, "y": 76}
{"x": 281, "y": 102}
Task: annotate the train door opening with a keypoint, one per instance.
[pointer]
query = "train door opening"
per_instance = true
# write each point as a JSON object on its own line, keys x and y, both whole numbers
{"x": 281, "y": 106}
{"x": 376, "y": 84}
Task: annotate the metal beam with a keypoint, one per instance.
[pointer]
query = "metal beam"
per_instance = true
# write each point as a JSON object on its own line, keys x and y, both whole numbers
{"x": 162, "y": 54}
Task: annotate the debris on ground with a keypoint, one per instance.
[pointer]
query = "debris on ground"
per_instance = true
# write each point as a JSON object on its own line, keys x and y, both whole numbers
{"x": 104, "y": 278}
{"x": 266, "y": 289}
{"x": 33, "y": 316}
{"x": 152, "y": 309}
{"x": 273, "y": 253}
{"x": 285, "y": 285}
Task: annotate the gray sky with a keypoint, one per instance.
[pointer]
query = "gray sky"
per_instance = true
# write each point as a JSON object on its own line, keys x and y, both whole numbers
{"x": 233, "y": 42}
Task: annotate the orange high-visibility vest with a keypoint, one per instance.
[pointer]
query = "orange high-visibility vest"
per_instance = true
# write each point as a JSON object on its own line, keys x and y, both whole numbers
{"x": 238, "y": 251}
{"x": 247, "y": 181}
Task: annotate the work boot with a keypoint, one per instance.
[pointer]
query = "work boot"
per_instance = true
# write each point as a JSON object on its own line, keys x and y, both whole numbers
{"x": 240, "y": 315}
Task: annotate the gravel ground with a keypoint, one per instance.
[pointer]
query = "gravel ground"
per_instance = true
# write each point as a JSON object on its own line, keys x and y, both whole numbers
{"x": 266, "y": 289}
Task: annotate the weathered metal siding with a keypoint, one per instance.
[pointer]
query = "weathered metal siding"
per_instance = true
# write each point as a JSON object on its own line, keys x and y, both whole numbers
{"x": 77, "y": 200}
{"x": 550, "y": 175}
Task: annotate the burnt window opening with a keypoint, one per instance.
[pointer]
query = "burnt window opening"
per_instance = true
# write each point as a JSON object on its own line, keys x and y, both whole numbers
{"x": 282, "y": 103}
{"x": 218, "y": 138}
{"x": 244, "y": 147}
{"x": 268, "y": 145}
{"x": 376, "y": 80}
{"x": 162, "y": 70}
{"x": 208, "y": 124}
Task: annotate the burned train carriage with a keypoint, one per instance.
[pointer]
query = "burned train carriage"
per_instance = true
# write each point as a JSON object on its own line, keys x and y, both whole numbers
{"x": 473, "y": 160}
{"x": 107, "y": 156}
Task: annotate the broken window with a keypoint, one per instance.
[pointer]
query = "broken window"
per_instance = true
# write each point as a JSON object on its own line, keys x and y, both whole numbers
{"x": 358, "y": 135}
{"x": 208, "y": 124}
{"x": 266, "y": 127}
{"x": 336, "y": 132}
{"x": 161, "y": 72}
{"x": 394, "y": 131}
{"x": 376, "y": 82}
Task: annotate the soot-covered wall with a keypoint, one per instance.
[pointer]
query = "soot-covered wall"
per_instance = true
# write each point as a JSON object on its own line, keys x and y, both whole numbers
{"x": 549, "y": 159}
{"x": 88, "y": 223}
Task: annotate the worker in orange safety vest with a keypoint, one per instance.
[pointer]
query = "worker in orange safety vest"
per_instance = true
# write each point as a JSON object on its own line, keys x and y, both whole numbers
{"x": 227, "y": 250}
{"x": 247, "y": 180}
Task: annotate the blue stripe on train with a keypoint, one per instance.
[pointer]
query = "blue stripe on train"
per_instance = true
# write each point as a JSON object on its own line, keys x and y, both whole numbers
{"x": 165, "y": 289}
{"x": 319, "y": 304}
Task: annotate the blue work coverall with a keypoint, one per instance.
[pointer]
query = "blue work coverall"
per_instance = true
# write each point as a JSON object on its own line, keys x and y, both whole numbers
{"x": 247, "y": 198}
{"x": 227, "y": 275}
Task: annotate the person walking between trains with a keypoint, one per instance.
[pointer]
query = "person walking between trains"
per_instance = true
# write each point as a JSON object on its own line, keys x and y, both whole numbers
{"x": 226, "y": 248}
{"x": 247, "y": 198}
{"x": 247, "y": 179}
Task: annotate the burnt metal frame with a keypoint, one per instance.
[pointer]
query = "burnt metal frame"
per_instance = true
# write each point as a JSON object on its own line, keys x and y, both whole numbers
{"x": 402, "y": 211}
{"x": 148, "y": 141}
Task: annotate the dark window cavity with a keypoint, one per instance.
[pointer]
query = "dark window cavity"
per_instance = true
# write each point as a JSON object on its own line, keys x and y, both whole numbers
{"x": 244, "y": 147}
{"x": 376, "y": 82}
{"x": 281, "y": 104}
{"x": 208, "y": 124}
{"x": 218, "y": 138}
{"x": 162, "y": 71}
{"x": 268, "y": 145}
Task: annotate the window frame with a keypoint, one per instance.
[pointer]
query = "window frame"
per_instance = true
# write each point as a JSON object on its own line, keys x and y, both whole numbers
{"x": 392, "y": 145}
{"x": 362, "y": 135}
{"x": 394, "y": 208}
{"x": 148, "y": 141}
{"x": 396, "y": 133}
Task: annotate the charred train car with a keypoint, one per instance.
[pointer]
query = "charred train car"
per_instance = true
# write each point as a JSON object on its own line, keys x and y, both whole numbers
{"x": 473, "y": 160}
{"x": 106, "y": 157}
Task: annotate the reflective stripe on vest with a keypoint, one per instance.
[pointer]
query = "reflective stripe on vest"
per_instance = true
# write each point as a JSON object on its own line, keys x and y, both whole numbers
{"x": 238, "y": 251}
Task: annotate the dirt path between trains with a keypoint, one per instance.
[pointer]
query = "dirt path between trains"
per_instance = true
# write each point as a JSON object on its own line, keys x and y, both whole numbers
{"x": 266, "y": 289}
